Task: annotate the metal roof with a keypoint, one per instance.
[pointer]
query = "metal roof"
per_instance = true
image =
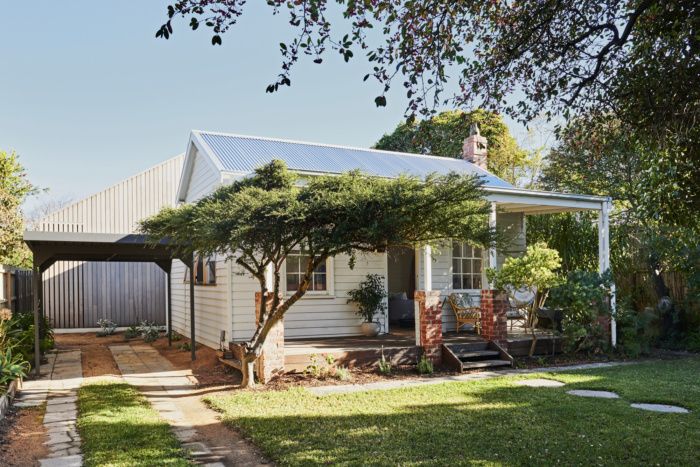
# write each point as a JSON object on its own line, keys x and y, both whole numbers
{"x": 243, "y": 154}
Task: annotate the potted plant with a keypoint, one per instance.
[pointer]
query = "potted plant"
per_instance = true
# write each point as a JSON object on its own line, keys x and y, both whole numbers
{"x": 370, "y": 300}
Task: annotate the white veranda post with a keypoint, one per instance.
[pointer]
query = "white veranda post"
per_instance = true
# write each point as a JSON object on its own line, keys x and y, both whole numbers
{"x": 493, "y": 255}
{"x": 604, "y": 259}
{"x": 427, "y": 263}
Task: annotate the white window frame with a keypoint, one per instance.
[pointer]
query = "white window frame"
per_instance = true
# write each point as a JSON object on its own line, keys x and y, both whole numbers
{"x": 482, "y": 272}
{"x": 330, "y": 282}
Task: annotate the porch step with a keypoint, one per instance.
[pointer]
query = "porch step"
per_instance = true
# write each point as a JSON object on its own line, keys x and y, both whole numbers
{"x": 478, "y": 355}
{"x": 480, "y": 364}
{"x": 468, "y": 347}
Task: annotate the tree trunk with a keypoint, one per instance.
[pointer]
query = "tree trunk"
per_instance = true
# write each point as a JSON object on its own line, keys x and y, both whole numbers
{"x": 248, "y": 371}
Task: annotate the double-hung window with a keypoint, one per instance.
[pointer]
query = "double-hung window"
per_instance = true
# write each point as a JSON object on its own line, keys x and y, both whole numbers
{"x": 297, "y": 262}
{"x": 466, "y": 266}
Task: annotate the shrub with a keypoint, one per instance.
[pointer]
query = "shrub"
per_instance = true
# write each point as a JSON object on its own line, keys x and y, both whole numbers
{"x": 425, "y": 366}
{"x": 185, "y": 346}
{"x": 638, "y": 332}
{"x": 584, "y": 299}
{"x": 369, "y": 297}
{"x": 107, "y": 327}
{"x": 18, "y": 332}
{"x": 132, "y": 332}
{"x": 149, "y": 331}
{"x": 384, "y": 364}
{"x": 12, "y": 366}
{"x": 341, "y": 373}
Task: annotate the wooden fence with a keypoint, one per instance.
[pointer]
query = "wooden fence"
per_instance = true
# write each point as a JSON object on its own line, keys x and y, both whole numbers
{"x": 16, "y": 292}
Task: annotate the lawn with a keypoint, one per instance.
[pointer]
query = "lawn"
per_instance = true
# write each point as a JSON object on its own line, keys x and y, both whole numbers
{"x": 118, "y": 427}
{"x": 482, "y": 422}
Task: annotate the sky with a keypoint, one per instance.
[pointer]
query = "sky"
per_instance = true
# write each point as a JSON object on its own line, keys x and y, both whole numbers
{"x": 88, "y": 95}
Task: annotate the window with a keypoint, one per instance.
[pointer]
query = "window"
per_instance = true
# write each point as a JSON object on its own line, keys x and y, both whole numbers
{"x": 466, "y": 266}
{"x": 204, "y": 271}
{"x": 297, "y": 262}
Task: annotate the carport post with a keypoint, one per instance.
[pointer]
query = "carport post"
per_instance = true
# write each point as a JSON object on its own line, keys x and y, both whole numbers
{"x": 170, "y": 311}
{"x": 36, "y": 279}
{"x": 193, "y": 344}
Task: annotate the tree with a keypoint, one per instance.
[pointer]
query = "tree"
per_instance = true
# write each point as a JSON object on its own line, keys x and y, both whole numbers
{"x": 14, "y": 189}
{"x": 258, "y": 221}
{"x": 444, "y": 134}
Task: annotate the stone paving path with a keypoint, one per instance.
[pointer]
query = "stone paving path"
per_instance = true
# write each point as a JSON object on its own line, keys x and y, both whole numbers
{"x": 58, "y": 386}
{"x": 408, "y": 383}
{"x": 143, "y": 367}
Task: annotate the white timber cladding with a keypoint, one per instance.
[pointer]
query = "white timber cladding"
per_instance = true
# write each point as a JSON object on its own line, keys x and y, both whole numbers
{"x": 513, "y": 224}
{"x": 212, "y": 304}
{"x": 77, "y": 293}
{"x": 313, "y": 315}
{"x": 205, "y": 178}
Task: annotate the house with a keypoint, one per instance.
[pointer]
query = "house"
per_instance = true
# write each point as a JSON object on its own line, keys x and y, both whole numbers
{"x": 225, "y": 296}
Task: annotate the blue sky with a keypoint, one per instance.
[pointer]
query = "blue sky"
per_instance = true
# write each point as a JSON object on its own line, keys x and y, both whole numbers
{"x": 88, "y": 96}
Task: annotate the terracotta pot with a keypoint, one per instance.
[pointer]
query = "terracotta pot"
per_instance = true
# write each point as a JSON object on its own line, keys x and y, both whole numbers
{"x": 370, "y": 329}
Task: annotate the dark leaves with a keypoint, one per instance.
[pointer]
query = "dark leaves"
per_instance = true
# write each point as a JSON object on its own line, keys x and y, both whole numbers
{"x": 216, "y": 40}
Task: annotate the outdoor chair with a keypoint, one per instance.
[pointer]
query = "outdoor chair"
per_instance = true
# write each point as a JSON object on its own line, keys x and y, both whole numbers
{"x": 519, "y": 302}
{"x": 465, "y": 312}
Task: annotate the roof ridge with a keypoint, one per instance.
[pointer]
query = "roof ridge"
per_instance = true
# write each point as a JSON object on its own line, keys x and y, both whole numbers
{"x": 337, "y": 146}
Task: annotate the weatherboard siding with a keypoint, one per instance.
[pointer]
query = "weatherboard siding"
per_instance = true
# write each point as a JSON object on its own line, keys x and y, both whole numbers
{"x": 204, "y": 179}
{"x": 78, "y": 293}
{"x": 312, "y": 316}
{"x": 212, "y": 305}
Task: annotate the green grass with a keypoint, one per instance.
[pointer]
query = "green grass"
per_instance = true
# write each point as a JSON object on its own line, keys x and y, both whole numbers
{"x": 118, "y": 427}
{"x": 489, "y": 422}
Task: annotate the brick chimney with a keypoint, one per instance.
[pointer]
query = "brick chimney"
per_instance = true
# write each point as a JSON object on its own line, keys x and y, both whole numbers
{"x": 474, "y": 148}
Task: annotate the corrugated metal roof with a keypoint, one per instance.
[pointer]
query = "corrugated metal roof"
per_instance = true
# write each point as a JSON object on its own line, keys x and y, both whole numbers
{"x": 243, "y": 154}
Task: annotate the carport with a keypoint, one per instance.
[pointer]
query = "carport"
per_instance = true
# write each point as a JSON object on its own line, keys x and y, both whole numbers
{"x": 49, "y": 247}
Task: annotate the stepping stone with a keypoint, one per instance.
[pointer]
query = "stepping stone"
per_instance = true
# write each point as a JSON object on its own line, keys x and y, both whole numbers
{"x": 661, "y": 408}
{"x": 540, "y": 383}
{"x": 591, "y": 393}
{"x": 65, "y": 461}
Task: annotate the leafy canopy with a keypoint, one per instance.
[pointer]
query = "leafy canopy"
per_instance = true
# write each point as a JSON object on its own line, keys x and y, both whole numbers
{"x": 537, "y": 268}
{"x": 14, "y": 189}
{"x": 444, "y": 134}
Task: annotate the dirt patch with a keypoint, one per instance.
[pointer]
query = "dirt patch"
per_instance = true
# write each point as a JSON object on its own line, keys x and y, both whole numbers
{"x": 96, "y": 357}
{"x": 207, "y": 368}
{"x": 22, "y": 437}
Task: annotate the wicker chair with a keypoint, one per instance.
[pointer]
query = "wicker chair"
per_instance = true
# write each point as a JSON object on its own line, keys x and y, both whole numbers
{"x": 519, "y": 302}
{"x": 465, "y": 312}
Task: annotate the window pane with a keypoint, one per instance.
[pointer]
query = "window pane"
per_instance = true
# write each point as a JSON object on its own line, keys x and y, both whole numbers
{"x": 292, "y": 282}
{"x": 321, "y": 268}
{"x": 211, "y": 271}
{"x": 477, "y": 253}
{"x": 466, "y": 265}
{"x": 199, "y": 271}
{"x": 456, "y": 266}
{"x": 456, "y": 249}
{"x": 476, "y": 266}
{"x": 476, "y": 282}
{"x": 456, "y": 281}
{"x": 303, "y": 263}
{"x": 319, "y": 281}
{"x": 466, "y": 282}
{"x": 292, "y": 263}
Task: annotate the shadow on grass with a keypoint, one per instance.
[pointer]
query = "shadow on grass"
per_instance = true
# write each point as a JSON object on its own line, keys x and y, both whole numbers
{"x": 479, "y": 422}
{"x": 118, "y": 427}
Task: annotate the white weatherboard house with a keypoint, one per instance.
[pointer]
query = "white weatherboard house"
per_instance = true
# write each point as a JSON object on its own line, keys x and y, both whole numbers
{"x": 225, "y": 297}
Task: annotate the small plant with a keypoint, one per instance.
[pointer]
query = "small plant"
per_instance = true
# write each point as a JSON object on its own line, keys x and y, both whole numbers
{"x": 314, "y": 367}
{"x": 12, "y": 366}
{"x": 107, "y": 327}
{"x": 384, "y": 364}
{"x": 149, "y": 331}
{"x": 425, "y": 366}
{"x": 175, "y": 337}
{"x": 330, "y": 359}
{"x": 132, "y": 332}
{"x": 341, "y": 373}
{"x": 185, "y": 346}
{"x": 369, "y": 297}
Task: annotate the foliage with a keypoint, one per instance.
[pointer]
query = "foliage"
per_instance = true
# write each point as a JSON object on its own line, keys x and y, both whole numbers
{"x": 132, "y": 332}
{"x": 584, "y": 299}
{"x": 384, "y": 365}
{"x": 14, "y": 189}
{"x": 17, "y": 333}
{"x": 107, "y": 327}
{"x": 342, "y": 374}
{"x": 369, "y": 297}
{"x": 324, "y": 366}
{"x": 256, "y": 222}
{"x": 444, "y": 134}
{"x": 149, "y": 330}
{"x": 573, "y": 235}
{"x": 185, "y": 346}
{"x": 428, "y": 422}
{"x": 118, "y": 427}
{"x": 12, "y": 366}
{"x": 424, "y": 366}
{"x": 638, "y": 331}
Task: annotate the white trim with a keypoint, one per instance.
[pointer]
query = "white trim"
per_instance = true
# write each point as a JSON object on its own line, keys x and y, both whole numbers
{"x": 427, "y": 268}
{"x": 604, "y": 260}
{"x": 312, "y": 294}
{"x": 493, "y": 254}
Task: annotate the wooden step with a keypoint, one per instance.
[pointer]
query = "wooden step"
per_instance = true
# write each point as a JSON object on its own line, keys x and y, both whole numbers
{"x": 478, "y": 355}
{"x": 484, "y": 364}
{"x": 468, "y": 347}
